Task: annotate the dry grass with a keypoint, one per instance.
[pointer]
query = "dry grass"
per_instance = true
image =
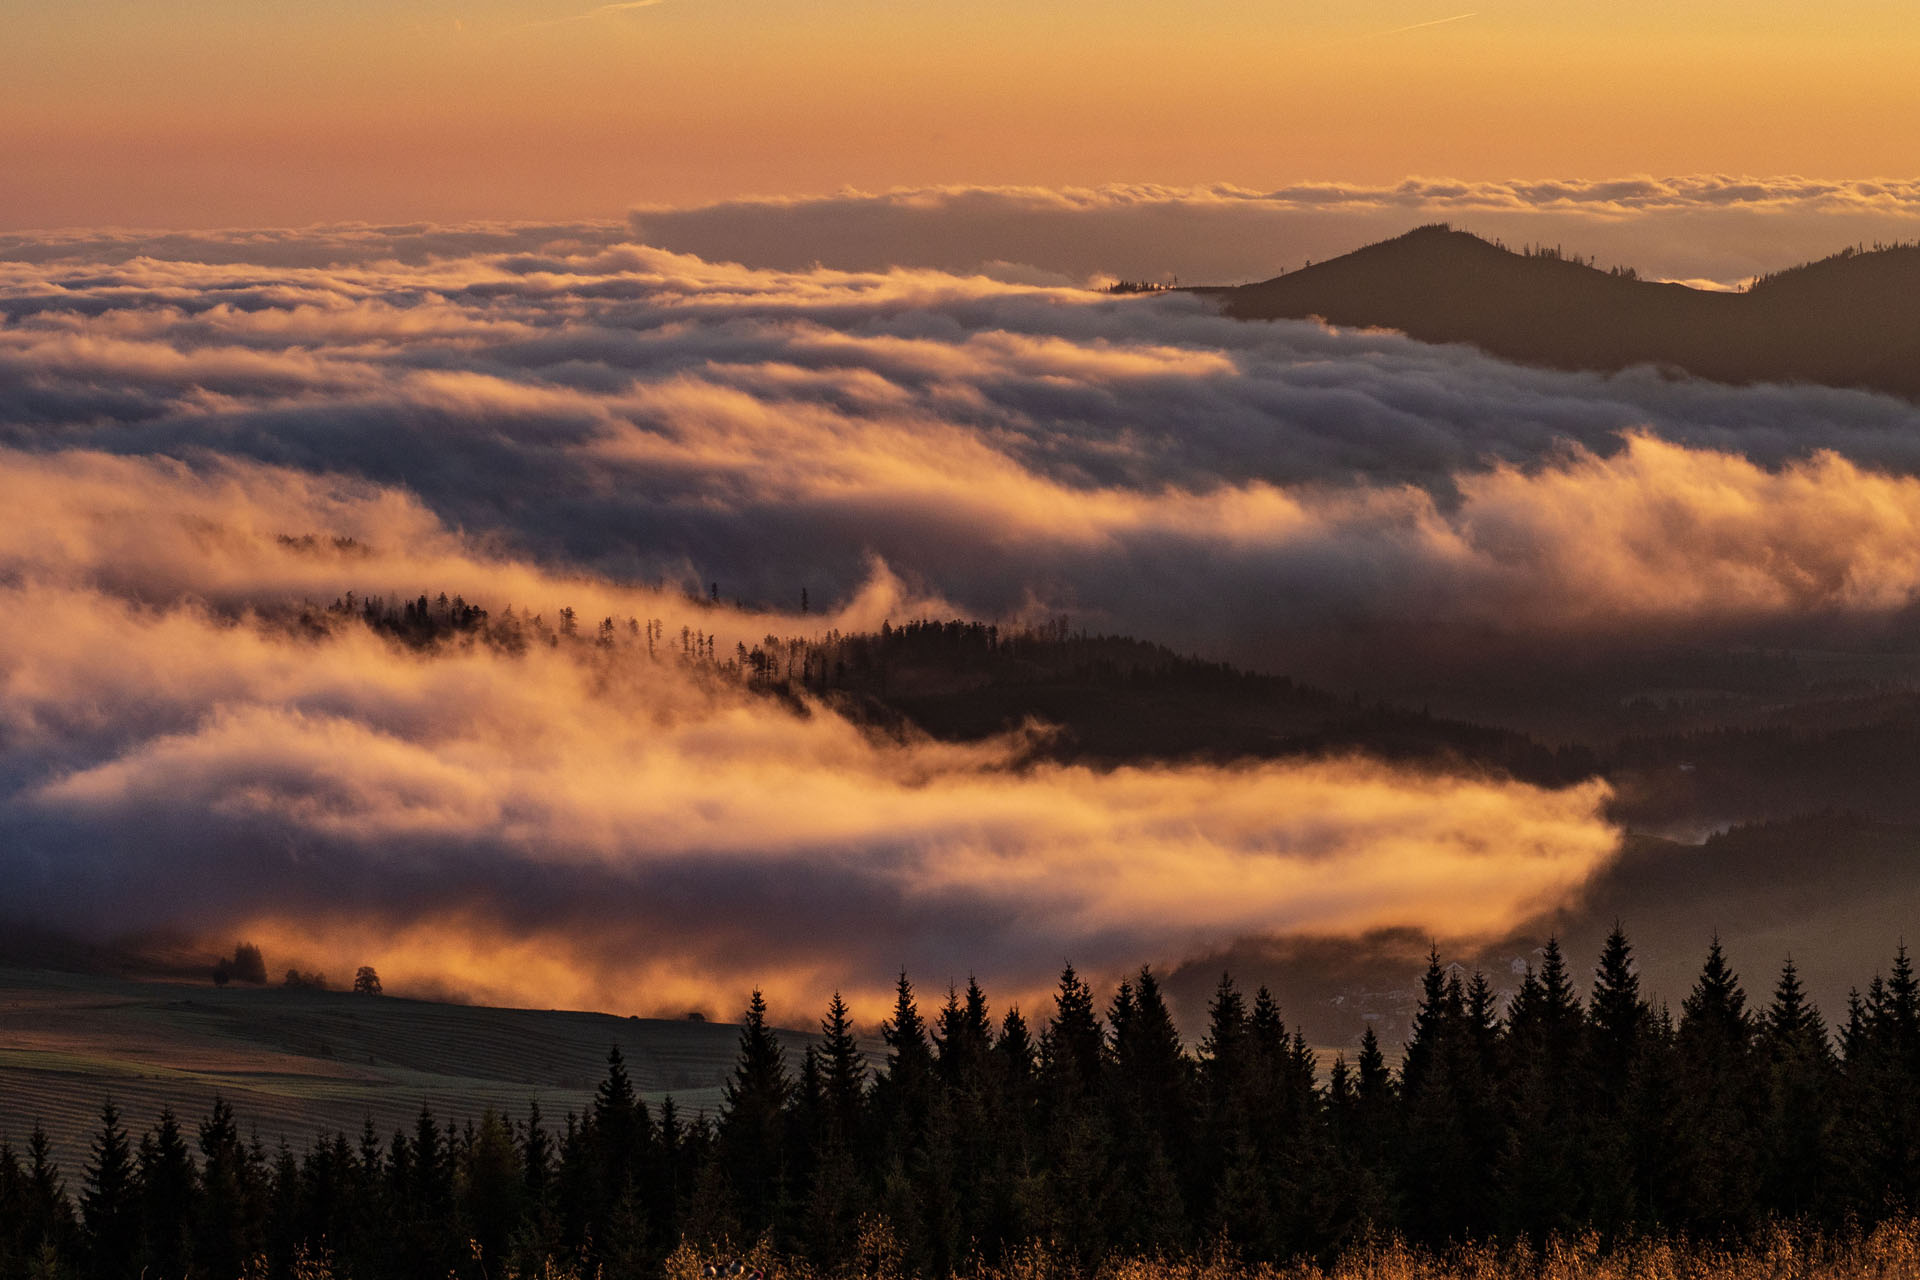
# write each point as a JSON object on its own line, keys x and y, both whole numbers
{"x": 1888, "y": 1252}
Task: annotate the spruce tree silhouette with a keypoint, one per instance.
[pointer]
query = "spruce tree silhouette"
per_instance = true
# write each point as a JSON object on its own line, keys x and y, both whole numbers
{"x": 109, "y": 1202}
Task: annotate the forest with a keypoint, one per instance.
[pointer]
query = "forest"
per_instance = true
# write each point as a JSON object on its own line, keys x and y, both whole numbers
{"x": 1759, "y": 735}
{"x": 968, "y": 1141}
{"x": 1104, "y": 699}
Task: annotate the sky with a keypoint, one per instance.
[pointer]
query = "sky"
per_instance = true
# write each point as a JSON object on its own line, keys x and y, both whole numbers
{"x": 289, "y": 112}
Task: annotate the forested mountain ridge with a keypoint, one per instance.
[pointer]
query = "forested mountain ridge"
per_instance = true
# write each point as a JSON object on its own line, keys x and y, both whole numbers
{"x": 1761, "y": 737}
{"x": 1114, "y": 699}
{"x": 1097, "y": 699}
{"x": 1850, "y": 320}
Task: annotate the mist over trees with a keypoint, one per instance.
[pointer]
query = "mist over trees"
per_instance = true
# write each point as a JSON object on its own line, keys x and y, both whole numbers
{"x": 1113, "y": 698}
{"x": 245, "y": 965}
{"x": 1807, "y": 745}
{"x": 968, "y": 1132}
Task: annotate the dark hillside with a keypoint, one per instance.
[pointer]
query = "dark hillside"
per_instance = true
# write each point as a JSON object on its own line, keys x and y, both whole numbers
{"x": 297, "y": 1062}
{"x": 1115, "y": 700}
{"x": 1852, "y": 320}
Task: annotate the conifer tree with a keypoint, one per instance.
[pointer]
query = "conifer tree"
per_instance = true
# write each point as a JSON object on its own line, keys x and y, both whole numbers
{"x": 1878, "y": 1135}
{"x": 1617, "y": 1017}
{"x": 1721, "y": 1089}
{"x": 675, "y": 1152}
{"x": 286, "y": 1219}
{"x": 1154, "y": 1079}
{"x": 109, "y": 1202}
{"x": 1152, "y": 1111}
{"x": 48, "y": 1228}
{"x": 843, "y": 1076}
{"x": 1483, "y": 1025}
{"x": 622, "y": 1129}
{"x": 536, "y": 1154}
{"x": 1290, "y": 1127}
{"x": 975, "y": 1117}
{"x": 829, "y": 1116}
{"x": 906, "y": 1090}
{"x": 1540, "y": 1177}
{"x": 1076, "y": 1142}
{"x": 1374, "y": 1083}
{"x": 1797, "y": 1159}
{"x": 1072, "y": 1048}
{"x": 1223, "y": 1061}
{"x": 365, "y": 1250}
{"x": 752, "y": 1138}
{"x": 1617, "y": 1029}
{"x": 1431, "y": 1027}
{"x": 1365, "y": 1200}
{"x": 491, "y": 1189}
{"x": 13, "y": 1210}
{"x": 1225, "y": 1136}
{"x": 1018, "y": 1057}
{"x": 1443, "y": 1173}
{"x": 226, "y": 1225}
{"x": 428, "y": 1192}
{"x": 962, "y": 1037}
{"x": 1017, "y": 1138}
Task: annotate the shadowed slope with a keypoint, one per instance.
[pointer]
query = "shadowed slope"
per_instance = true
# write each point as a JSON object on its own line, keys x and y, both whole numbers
{"x": 1852, "y": 320}
{"x": 297, "y": 1063}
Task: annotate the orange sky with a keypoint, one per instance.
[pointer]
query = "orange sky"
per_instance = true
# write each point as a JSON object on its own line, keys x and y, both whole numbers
{"x": 204, "y": 112}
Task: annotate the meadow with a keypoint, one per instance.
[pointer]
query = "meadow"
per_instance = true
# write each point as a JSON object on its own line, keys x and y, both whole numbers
{"x": 294, "y": 1063}
{"x": 1890, "y": 1251}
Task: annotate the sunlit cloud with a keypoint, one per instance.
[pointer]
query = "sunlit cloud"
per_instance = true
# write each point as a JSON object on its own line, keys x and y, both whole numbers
{"x": 197, "y": 453}
{"x": 664, "y": 837}
{"x": 625, "y": 415}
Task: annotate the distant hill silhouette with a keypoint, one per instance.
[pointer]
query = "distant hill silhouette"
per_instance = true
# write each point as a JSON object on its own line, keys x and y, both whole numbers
{"x": 1113, "y": 700}
{"x": 1852, "y": 320}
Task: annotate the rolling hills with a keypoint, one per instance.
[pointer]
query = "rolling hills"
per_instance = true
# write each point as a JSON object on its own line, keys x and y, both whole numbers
{"x": 294, "y": 1063}
{"x": 1851, "y": 320}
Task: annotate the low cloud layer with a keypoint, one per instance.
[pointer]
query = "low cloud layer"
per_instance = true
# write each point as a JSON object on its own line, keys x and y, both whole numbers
{"x": 587, "y": 825}
{"x": 194, "y": 443}
{"x": 1282, "y": 494}
{"x": 1709, "y": 228}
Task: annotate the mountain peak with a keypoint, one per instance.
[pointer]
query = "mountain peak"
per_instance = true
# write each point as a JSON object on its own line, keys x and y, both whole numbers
{"x": 1849, "y": 321}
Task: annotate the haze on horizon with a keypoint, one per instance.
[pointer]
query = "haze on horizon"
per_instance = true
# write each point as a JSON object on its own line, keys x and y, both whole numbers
{"x": 233, "y": 112}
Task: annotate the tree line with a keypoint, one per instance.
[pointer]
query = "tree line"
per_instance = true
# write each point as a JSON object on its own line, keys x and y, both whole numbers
{"x": 827, "y": 660}
{"x": 963, "y": 679}
{"x": 969, "y": 1137}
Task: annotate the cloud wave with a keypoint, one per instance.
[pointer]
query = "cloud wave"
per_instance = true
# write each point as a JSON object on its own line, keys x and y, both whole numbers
{"x": 627, "y": 831}
{"x": 1015, "y": 451}
{"x": 191, "y": 446}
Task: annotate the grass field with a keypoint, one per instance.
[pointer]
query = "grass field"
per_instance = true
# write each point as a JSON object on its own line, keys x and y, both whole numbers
{"x": 1889, "y": 1251}
{"x": 295, "y": 1063}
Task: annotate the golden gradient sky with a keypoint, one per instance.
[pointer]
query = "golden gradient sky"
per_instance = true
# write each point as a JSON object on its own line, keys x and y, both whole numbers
{"x": 177, "y": 113}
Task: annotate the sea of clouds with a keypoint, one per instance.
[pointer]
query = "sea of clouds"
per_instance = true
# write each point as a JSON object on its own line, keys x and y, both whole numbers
{"x": 548, "y": 417}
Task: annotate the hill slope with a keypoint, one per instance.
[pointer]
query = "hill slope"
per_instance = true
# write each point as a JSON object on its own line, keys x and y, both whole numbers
{"x": 1852, "y": 320}
{"x": 1114, "y": 700}
{"x": 294, "y": 1063}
